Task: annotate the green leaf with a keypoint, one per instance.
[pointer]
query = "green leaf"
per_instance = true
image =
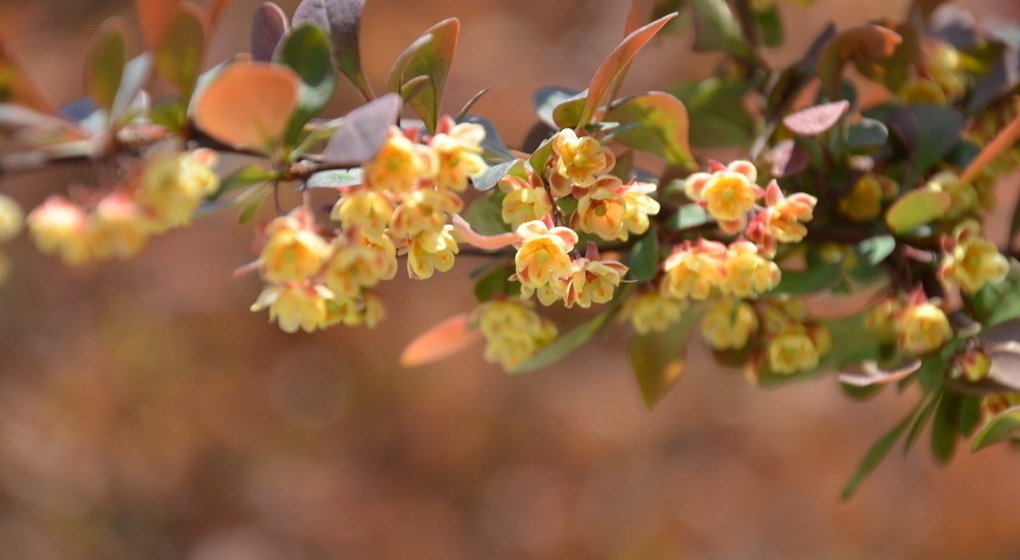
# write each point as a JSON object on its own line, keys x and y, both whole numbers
{"x": 875, "y": 455}
{"x": 995, "y": 304}
{"x": 541, "y": 156}
{"x": 929, "y": 132}
{"x": 945, "y": 429}
{"x": 1002, "y": 427}
{"x": 658, "y": 358}
{"x": 717, "y": 117}
{"x": 687, "y": 216}
{"x": 252, "y": 200}
{"x": 644, "y": 258}
{"x": 970, "y": 415}
{"x": 771, "y": 26}
{"x": 662, "y": 126}
{"x": 306, "y": 51}
{"x": 874, "y": 250}
{"x": 811, "y": 280}
{"x": 485, "y": 214}
{"x": 431, "y": 56}
{"x": 268, "y": 26}
{"x": 342, "y": 20}
{"x": 546, "y": 99}
{"x": 566, "y": 343}
{"x": 917, "y": 208}
{"x": 867, "y": 134}
{"x": 716, "y": 28}
{"x": 251, "y": 174}
{"x": 335, "y": 178}
{"x": 180, "y": 51}
{"x": 104, "y": 62}
{"x": 491, "y": 176}
{"x": 496, "y": 282}
{"x": 921, "y": 421}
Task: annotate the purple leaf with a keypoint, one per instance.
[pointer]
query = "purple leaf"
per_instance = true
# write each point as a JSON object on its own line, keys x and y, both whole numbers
{"x": 362, "y": 132}
{"x": 268, "y": 26}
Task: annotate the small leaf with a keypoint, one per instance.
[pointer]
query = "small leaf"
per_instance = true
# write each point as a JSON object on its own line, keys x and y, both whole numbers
{"x": 615, "y": 64}
{"x": 811, "y": 280}
{"x": 1004, "y": 426}
{"x": 771, "y": 26}
{"x": 788, "y": 158}
{"x": 546, "y": 99}
{"x": 492, "y": 175}
{"x": 104, "y": 62}
{"x": 306, "y": 51}
{"x": 250, "y": 174}
{"x": 540, "y": 157}
{"x": 493, "y": 143}
{"x": 868, "y": 373}
{"x": 867, "y": 41}
{"x": 894, "y": 70}
{"x": 362, "y": 132}
{"x": 342, "y": 20}
{"x": 716, "y": 112}
{"x": 816, "y": 120}
{"x": 876, "y": 249}
{"x": 485, "y": 214}
{"x": 441, "y": 341}
{"x": 566, "y": 343}
{"x": 917, "y": 208}
{"x": 662, "y": 126}
{"x": 717, "y": 28}
{"x": 431, "y": 56}
{"x": 921, "y": 421}
{"x": 687, "y": 216}
{"x": 644, "y": 258}
{"x": 335, "y": 179}
{"x": 658, "y": 358}
{"x": 866, "y": 134}
{"x": 268, "y": 26}
{"x": 249, "y": 104}
{"x": 875, "y": 455}
{"x": 929, "y": 132}
{"x": 180, "y": 51}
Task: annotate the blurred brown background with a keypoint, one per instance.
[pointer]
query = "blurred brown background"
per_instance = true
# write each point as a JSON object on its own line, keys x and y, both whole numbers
{"x": 145, "y": 413}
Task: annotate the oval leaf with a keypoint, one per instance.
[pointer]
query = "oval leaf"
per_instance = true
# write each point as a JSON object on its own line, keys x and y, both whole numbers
{"x": 362, "y": 132}
{"x": 662, "y": 126}
{"x": 565, "y": 344}
{"x": 180, "y": 51}
{"x": 917, "y": 208}
{"x": 1003, "y": 427}
{"x": 816, "y": 120}
{"x": 658, "y": 358}
{"x": 788, "y": 158}
{"x": 929, "y": 133}
{"x": 342, "y": 20}
{"x": 104, "y": 63}
{"x": 644, "y": 258}
{"x": 441, "y": 341}
{"x": 306, "y": 51}
{"x": 154, "y": 17}
{"x": 268, "y": 26}
{"x": 248, "y": 104}
{"x": 431, "y": 56}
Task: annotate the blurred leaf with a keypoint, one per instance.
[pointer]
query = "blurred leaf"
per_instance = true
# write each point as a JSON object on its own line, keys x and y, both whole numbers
{"x": 493, "y": 143}
{"x": 998, "y": 80}
{"x": 644, "y": 257}
{"x": 771, "y": 25}
{"x": 970, "y": 415}
{"x": 662, "y": 126}
{"x": 717, "y": 116}
{"x": 1004, "y": 426}
{"x": 615, "y": 64}
{"x": 929, "y": 132}
{"x": 1002, "y": 142}
{"x": 268, "y": 26}
{"x": 430, "y": 55}
{"x": 470, "y": 103}
{"x": 180, "y": 51}
{"x": 784, "y": 86}
{"x": 154, "y": 17}
{"x": 491, "y": 176}
{"x": 362, "y": 132}
{"x": 995, "y": 304}
{"x": 248, "y": 105}
{"x": 306, "y": 51}
{"x": 945, "y": 428}
{"x": 875, "y": 455}
{"x": 917, "y": 208}
{"x": 687, "y": 216}
{"x": 215, "y": 10}
{"x": 921, "y": 421}
{"x": 137, "y": 73}
{"x": 716, "y": 28}
{"x": 876, "y": 249}
{"x": 546, "y": 99}
{"x": 866, "y": 134}
{"x": 659, "y": 358}
{"x": 335, "y": 178}
{"x": 104, "y": 62}
{"x": 252, "y": 199}
{"x": 485, "y": 214}
{"x": 816, "y": 120}
{"x": 893, "y": 71}
{"x": 788, "y": 158}
{"x": 441, "y": 341}
{"x": 814, "y": 279}
{"x": 1005, "y": 365}
{"x": 540, "y": 157}
{"x": 251, "y": 174}
{"x": 342, "y": 20}
{"x": 496, "y": 282}
{"x": 860, "y": 42}
{"x": 566, "y": 343}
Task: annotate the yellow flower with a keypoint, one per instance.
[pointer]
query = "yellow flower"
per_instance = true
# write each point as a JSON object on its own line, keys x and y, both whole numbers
{"x": 60, "y": 227}
{"x": 746, "y": 272}
{"x": 729, "y": 196}
{"x": 295, "y": 305}
{"x": 776, "y": 314}
{"x": 639, "y": 206}
{"x": 543, "y": 253}
{"x": 693, "y": 270}
{"x": 293, "y": 250}
{"x": 118, "y": 227}
{"x": 923, "y": 328}
{"x": 457, "y": 154}
{"x": 359, "y": 261}
{"x": 430, "y": 251}
{"x": 523, "y": 202}
{"x": 579, "y": 161}
{"x": 365, "y": 209}
{"x": 593, "y": 281}
{"x": 423, "y": 210}
{"x": 946, "y": 70}
{"x": 881, "y": 317}
{"x": 792, "y": 350}
{"x": 729, "y": 324}
{"x": 963, "y": 196}
{"x": 602, "y": 209}
{"x": 864, "y": 201}
{"x": 548, "y": 293}
{"x": 171, "y": 186}
{"x": 786, "y": 215}
{"x": 652, "y": 312}
{"x": 971, "y": 260}
{"x": 11, "y": 218}
{"x": 513, "y": 331}
{"x": 399, "y": 165}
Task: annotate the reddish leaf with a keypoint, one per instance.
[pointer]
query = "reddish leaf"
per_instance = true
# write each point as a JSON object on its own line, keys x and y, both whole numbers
{"x": 866, "y": 41}
{"x": 441, "y": 341}
{"x": 428, "y": 56}
{"x": 893, "y": 70}
{"x": 616, "y": 63}
{"x": 341, "y": 19}
{"x": 788, "y": 158}
{"x": 104, "y": 62}
{"x": 662, "y": 126}
{"x": 268, "y": 26}
{"x": 249, "y": 104}
{"x": 816, "y": 120}
{"x": 180, "y": 51}
{"x": 155, "y": 16}
{"x": 362, "y": 131}
{"x": 639, "y": 13}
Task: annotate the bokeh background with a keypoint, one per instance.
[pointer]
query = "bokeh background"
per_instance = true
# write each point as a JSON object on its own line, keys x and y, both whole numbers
{"x": 145, "y": 413}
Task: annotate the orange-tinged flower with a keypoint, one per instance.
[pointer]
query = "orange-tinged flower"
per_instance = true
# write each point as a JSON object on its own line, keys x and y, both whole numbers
{"x": 295, "y": 305}
{"x": 523, "y": 202}
{"x": 11, "y": 218}
{"x": 118, "y": 227}
{"x": 457, "y": 148}
{"x": 792, "y": 350}
{"x": 400, "y": 164}
{"x": 513, "y": 331}
{"x": 652, "y": 312}
{"x": 423, "y": 210}
{"x": 542, "y": 254}
{"x": 864, "y": 200}
{"x": 971, "y": 260}
{"x": 359, "y": 261}
{"x": 639, "y": 206}
{"x": 61, "y": 227}
{"x": 746, "y": 272}
{"x": 430, "y": 251}
{"x": 786, "y": 215}
{"x": 729, "y": 325}
{"x": 728, "y": 193}
{"x": 602, "y": 210}
{"x": 593, "y": 281}
{"x": 579, "y": 161}
{"x": 694, "y": 269}
{"x": 922, "y": 328}
{"x": 365, "y": 209}
{"x": 293, "y": 250}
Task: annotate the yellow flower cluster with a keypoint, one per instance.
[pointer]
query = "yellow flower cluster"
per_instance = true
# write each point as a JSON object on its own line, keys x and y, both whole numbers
{"x": 11, "y": 222}
{"x": 729, "y": 324}
{"x": 163, "y": 194}
{"x": 971, "y": 261}
{"x": 702, "y": 269}
{"x": 792, "y": 343}
{"x": 313, "y": 283}
{"x": 922, "y": 327}
{"x": 652, "y": 312}
{"x": 513, "y": 331}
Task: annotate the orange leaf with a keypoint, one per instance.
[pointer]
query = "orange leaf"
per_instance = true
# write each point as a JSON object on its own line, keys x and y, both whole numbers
{"x": 215, "y": 8}
{"x": 15, "y": 87}
{"x": 249, "y": 104}
{"x": 443, "y": 340}
{"x": 1002, "y": 142}
{"x": 617, "y": 62}
{"x": 154, "y": 16}
{"x": 640, "y": 11}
